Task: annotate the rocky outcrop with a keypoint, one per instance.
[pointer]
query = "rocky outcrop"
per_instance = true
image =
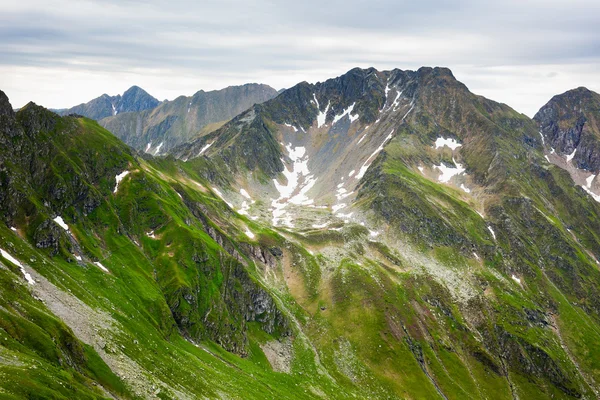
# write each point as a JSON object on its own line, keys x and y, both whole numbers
{"x": 570, "y": 124}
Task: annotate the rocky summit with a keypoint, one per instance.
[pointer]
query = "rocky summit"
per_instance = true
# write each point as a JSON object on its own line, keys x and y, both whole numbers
{"x": 379, "y": 235}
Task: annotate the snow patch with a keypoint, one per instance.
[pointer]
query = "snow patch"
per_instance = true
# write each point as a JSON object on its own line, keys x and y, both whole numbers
{"x": 351, "y": 173}
{"x": 516, "y": 279}
{"x": 61, "y": 223}
{"x": 157, "y": 151}
{"x": 299, "y": 181}
{"x": 245, "y": 194}
{"x": 319, "y": 226}
{"x": 115, "y": 112}
{"x": 366, "y": 164}
{"x": 148, "y": 146}
{"x": 218, "y": 192}
{"x": 16, "y": 262}
{"x": 421, "y": 169}
{"x": 119, "y": 178}
{"x": 78, "y": 258}
{"x": 348, "y": 112}
{"x": 291, "y": 126}
{"x": 12, "y": 228}
{"x": 449, "y": 172}
{"x": 442, "y": 142}
{"x": 151, "y": 235}
{"x": 338, "y": 207}
{"x": 102, "y": 267}
{"x": 202, "y": 150}
{"x": 249, "y": 233}
{"x": 492, "y": 232}
{"x": 466, "y": 189}
{"x": 373, "y": 233}
{"x": 594, "y": 195}
{"x": 570, "y": 156}
{"x": 322, "y": 114}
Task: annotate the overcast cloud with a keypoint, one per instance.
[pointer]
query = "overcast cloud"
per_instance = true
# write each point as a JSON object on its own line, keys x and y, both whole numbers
{"x": 61, "y": 53}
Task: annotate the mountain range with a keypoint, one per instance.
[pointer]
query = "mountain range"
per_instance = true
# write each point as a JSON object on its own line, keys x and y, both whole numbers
{"x": 382, "y": 234}
{"x": 154, "y": 127}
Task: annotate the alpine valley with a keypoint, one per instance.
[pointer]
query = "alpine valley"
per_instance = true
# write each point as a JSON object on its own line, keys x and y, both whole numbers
{"x": 379, "y": 235}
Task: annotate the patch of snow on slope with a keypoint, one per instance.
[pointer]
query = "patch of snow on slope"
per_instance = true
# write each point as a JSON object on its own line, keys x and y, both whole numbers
{"x": 148, "y": 146}
{"x": 492, "y": 232}
{"x": 245, "y": 194}
{"x": 373, "y": 233}
{"x": 291, "y": 126}
{"x": 351, "y": 173}
{"x": 206, "y": 146}
{"x": 543, "y": 140}
{"x": 408, "y": 112}
{"x": 16, "y": 262}
{"x": 594, "y": 195}
{"x": 322, "y": 114}
{"x": 338, "y": 207}
{"x": 249, "y": 233}
{"x": 102, "y": 267}
{"x": 441, "y": 142}
{"x": 589, "y": 180}
{"x": 367, "y": 164}
{"x": 119, "y": 178}
{"x": 466, "y": 189}
{"x": 189, "y": 106}
{"x": 396, "y": 101}
{"x": 78, "y": 258}
{"x": 319, "y": 226}
{"x": 61, "y": 222}
{"x": 114, "y": 109}
{"x": 570, "y": 156}
{"x": 449, "y": 172}
{"x": 347, "y": 111}
{"x": 516, "y": 279}
{"x": 421, "y": 169}
{"x": 218, "y": 192}
{"x": 151, "y": 235}
{"x": 12, "y": 228}
{"x": 299, "y": 181}
{"x": 157, "y": 151}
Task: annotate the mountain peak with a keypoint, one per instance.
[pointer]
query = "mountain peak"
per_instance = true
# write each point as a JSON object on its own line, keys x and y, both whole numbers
{"x": 5, "y": 106}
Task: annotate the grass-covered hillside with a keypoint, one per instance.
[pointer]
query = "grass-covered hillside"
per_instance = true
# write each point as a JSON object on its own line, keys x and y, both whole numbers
{"x": 460, "y": 268}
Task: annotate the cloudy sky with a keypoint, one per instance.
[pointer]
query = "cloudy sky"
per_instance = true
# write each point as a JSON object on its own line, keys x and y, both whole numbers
{"x": 59, "y": 53}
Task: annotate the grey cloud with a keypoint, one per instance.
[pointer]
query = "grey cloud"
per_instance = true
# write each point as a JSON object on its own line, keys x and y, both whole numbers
{"x": 223, "y": 39}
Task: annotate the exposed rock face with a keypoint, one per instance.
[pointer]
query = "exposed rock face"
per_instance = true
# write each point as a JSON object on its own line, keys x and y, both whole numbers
{"x": 157, "y": 130}
{"x": 570, "y": 123}
{"x": 134, "y": 99}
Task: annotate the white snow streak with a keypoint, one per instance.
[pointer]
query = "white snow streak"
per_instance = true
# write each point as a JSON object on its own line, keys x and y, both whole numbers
{"x": 348, "y": 112}
{"x": 102, "y": 267}
{"x": 449, "y": 172}
{"x": 291, "y": 126}
{"x": 366, "y": 164}
{"x": 16, "y": 262}
{"x": 322, "y": 114}
{"x": 61, "y": 222}
{"x": 441, "y": 142}
{"x": 492, "y": 232}
{"x": 202, "y": 150}
{"x": 157, "y": 151}
{"x": 570, "y": 156}
{"x": 119, "y": 178}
